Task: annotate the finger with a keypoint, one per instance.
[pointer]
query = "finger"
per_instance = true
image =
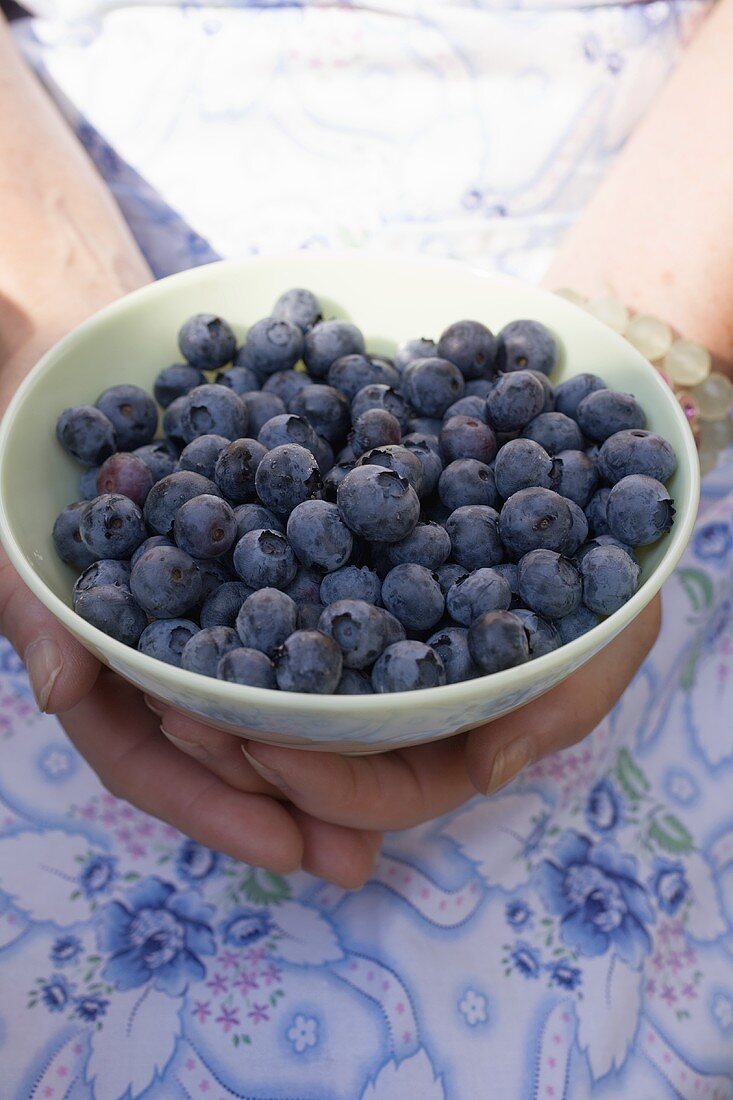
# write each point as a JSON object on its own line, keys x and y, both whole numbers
{"x": 121, "y": 740}
{"x": 497, "y": 752}
{"x": 339, "y": 855}
{"x": 60, "y": 670}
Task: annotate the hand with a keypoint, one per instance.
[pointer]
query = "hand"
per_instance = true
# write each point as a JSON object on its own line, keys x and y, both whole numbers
{"x": 399, "y": 789}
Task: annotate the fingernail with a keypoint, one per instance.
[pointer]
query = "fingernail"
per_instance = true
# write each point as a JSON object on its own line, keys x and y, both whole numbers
{"x": 509, "y": 762}
{"x": 267, "y": 774}
{"x": 189, "y": 747}
{"x": 43, "y": 663}
{"x": 153, "y": 704}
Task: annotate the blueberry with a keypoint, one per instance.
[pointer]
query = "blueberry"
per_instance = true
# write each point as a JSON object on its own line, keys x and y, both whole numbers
{"x": 411, "y": 350}
{"x": 106, "y": 571}
{"x": 428, "y": 544}
{"x": 285, "y": 384}
{"x": 222, "y": 606}
{"x": 474, "y": 536}
{"x": 451, "y": 645}
{"x": 319, "y": 536}
{"x": 467, "y": 437}
{"x": 265, "y": 559}
{"x": 298, "y": 306}
{"x": 603, "y": 413}
{"x": 481, "y": 591}
{"x": 475, "y": 407}
{"x": 595, "y": 512}
{"x": 514, "y": 401}
{"x": 112, "y": 526}
{"x": 575, "y": 476}
{"x": 86, "y": 434}
{"x": 510, "y": 572}
{"x": 305, "y": 586}
{"x": 323, "y": 454}
{"x": 378, "y": 396}
{"x": 309, "y": 615}
{"x": 325, "y": 409}
{"x": 165, "y": 639}
{"x": 361, "y": 630}
{"x": 68, "y": 541}
{"x": 352, "y": 373}
{"x": 262, "y": 407}
{"x": 240, "y": 379}
{"x": 576, "y": 624}
{"x": 213, "y": 410}
{"x": 271, "y": 345}
{"x": 374, "y": 428}
{"x": 133, "y": 414}
{"x": 535, "y": 519}
{"x": 526, "y": 345}
{"x": 429, "y": 458}
{"x": 214, "y": 573}
{"x": 172, "y": 427}
{"x": 236, "y": 468}
{"x": 412, "y": 594}
{"x": 154, "y": 540}
{"x": 287, "y": 428}
{"x": 480, "y": 387}
{"x": 636, "y": 452}
{"x": 167, "y": 496}
{"x": 88, "y": 483}
{"x": 425, "y": 425}
{"x": 159, "y": 457}
{"x": 266, "y": 619}
{"x": 549, "y": 583}
{"x": 408, "y": 666}
{"x": 467, "y": 481}
{"x": 471, "y": 346}
{"x": 639, "y": 510}
{"x": 579, "y": 529}
{"x": 432, "y": 386}
{"x": 203, "y": 652}
{"x": 498, "y": 640}
{"x": 166, "y": 582}
{"x": 247, "y": 666}
{"x": 255, "y": 517}
{"x": 448, "y": 574}
{"x": 571, "y": 392}
{"x": 176, "y": 381}
{"x": 522, "y": 464}
{"x": 200, "y": 455}
{"x": 549, "y": 405}
{"x": 378, "y": 504}
{"x": 206, "y": 341}
{"x": 543, "y": 636}
{"x": 610, "y": 578}
{"x": 114, "y": 611}
{"x": 354, "y": 683}
{"x": 401, "y": 460}
{"x": 205, "y": 527}
{"x": 333, "y": 479}
{"x": 555, "y": 432}
{"x": 327, "y": 342}
{"x": 310, "y": 662}
{"x": 351, "y": 583}
{"x": 287, "y": 476}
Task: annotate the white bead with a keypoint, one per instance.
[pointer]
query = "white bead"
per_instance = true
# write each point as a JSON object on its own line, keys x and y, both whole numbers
{"x": 571, "y": 295}
{"x": 650, "y": 336}
{"x": 716, "y": 435}
{"x": 714, "y": 396}
{"x": 686, "y": 363}
{"x": 708, "y": 461}
{"x": 611, "y": 311}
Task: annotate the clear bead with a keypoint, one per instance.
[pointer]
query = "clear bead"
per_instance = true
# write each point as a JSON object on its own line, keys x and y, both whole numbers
{"x": 571, "y": 295}
{"x": 714, "y": 396}
{"x": 650, "y": 336}
{"x": 708, "y": 461}
{"x": 716, "y": 435}
{"x": 611, "y": 311}
{"x": 686, "y": 363}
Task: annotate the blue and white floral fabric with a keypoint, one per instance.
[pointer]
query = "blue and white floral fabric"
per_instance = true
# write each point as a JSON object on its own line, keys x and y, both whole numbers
{"x": 569, "y": 938}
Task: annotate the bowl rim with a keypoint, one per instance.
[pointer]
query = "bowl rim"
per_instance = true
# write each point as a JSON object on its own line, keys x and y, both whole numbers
{"x": 508, "y": 680}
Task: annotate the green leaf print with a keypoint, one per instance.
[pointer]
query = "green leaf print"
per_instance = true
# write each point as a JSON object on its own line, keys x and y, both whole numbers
{"x": 698, "y": 588}
{"x": 670, "y": 835}
{"x": 264, "y": 887}
{"x": 630, "y": 776}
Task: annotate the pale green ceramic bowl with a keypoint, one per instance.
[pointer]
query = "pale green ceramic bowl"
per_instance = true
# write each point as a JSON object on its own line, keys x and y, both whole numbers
{"x": 391, "y": 298}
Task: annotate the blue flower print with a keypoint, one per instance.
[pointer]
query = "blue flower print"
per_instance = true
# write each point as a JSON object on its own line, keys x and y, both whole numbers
{"x": 56, "y": 993}
{"x": 526, "y": 960}
{"x": 90, "y": 1008}
{"x": 669, "y": 885}
{"x": 602, "y": 809}
{"x": 594, "y": 890}
{"x": 97, "y": 875}
{"x": 157, "y": 935}
{"x": 713, "y": 541}
{"x": 194, "y": 862}
{"x": 65, "y": 950}
{"x": 517, "y": 913}
{"x": 245, "y": 926}
{"x": 564, "y": 975}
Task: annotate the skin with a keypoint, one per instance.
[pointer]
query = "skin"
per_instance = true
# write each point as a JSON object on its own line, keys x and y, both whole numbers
{"x": 663, "y": 247}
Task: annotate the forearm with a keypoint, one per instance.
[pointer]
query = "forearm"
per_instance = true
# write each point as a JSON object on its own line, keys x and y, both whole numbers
{"x": 65, "y": 250}
{"x": 659, "y": 232}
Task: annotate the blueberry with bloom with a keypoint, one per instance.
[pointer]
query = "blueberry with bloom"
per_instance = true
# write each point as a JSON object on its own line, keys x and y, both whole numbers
{"x": 303, "y": 1033}
{"x": 245, "y": 925}
{"x": 602, "y": 809}
{"x": 669, "y": 884}
{"x": 65, "y": 950}
{"x": 594, "y": 890}
{"x": 97, "y": 875}
{"x": 156, "y": 935}
{"x": 526, "y": 960}
{"x": 194, "y": 862}
{"x": 473, "y": 1007}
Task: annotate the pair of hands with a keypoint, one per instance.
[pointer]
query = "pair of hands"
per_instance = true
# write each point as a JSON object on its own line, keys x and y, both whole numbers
{"x": 282, "y": 809}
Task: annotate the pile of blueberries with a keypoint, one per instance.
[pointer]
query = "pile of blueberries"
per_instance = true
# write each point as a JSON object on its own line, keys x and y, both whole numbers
{"x": 320, "y": 519}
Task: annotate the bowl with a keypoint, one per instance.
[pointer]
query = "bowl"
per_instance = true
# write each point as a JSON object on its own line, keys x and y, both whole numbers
{"x": 391, "y": 298}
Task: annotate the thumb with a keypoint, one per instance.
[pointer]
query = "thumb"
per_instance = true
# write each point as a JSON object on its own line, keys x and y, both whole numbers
{"x": 60, "y": 670}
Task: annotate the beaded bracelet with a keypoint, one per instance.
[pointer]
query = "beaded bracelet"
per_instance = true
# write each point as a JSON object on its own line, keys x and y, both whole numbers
{"x": 706, "y": 396}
